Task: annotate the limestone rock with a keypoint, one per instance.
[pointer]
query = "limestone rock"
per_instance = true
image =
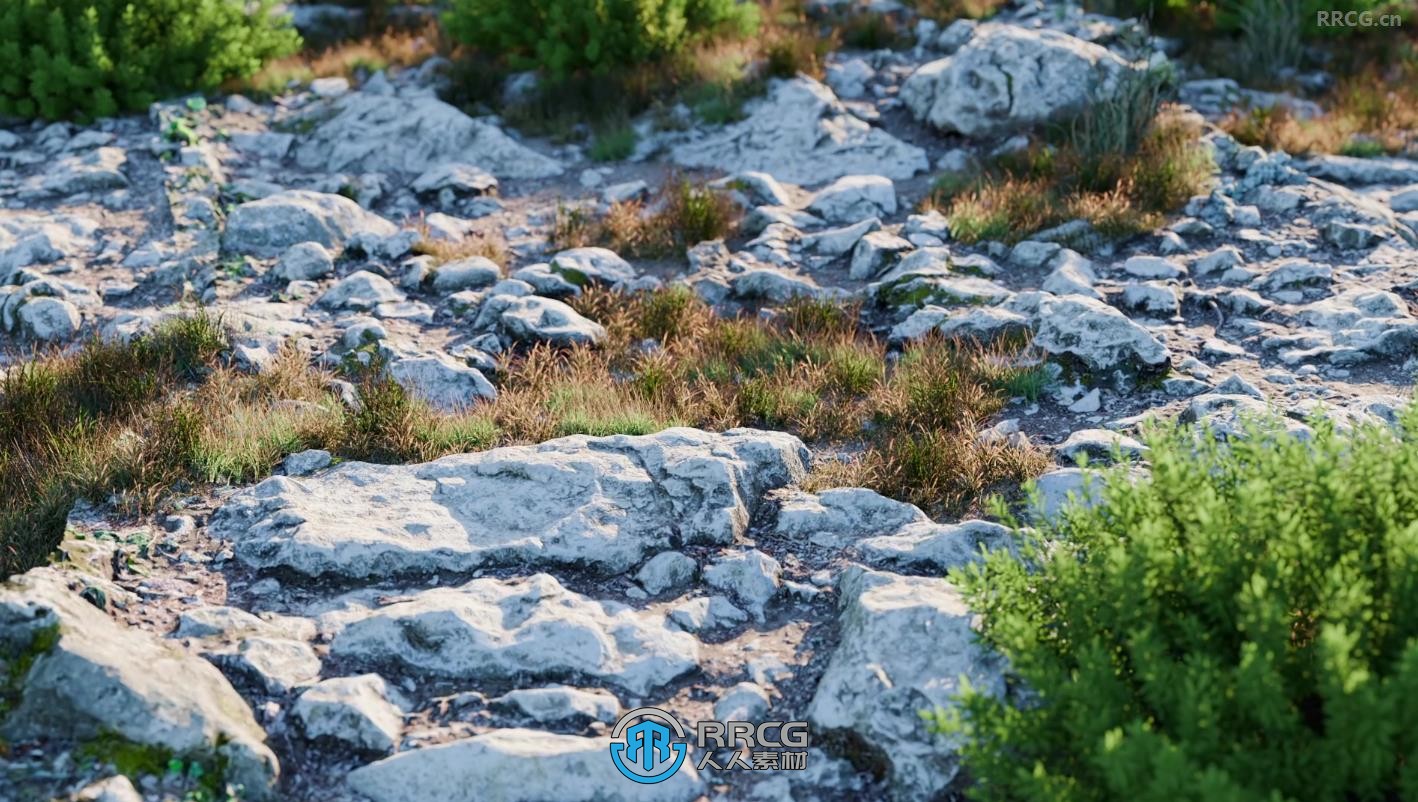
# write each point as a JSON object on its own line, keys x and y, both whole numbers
{"x": 496, "y": 630}
{"x": 515, "y": 765}
{"x": 1007, "y": 78}
{"x": 906, "y": 642}
{"x": 1097, "y": 337}
{"x": 444, "y": 384}
{"x": 605, "y": 503}
{"x": 268, "y": 226}
{"x": 98, "y": 677}
{"x": 801, "y": 133}
{"x": 371, "y": 133}
{"x": 532, "y": 318}
{"x": 356, "y": 712}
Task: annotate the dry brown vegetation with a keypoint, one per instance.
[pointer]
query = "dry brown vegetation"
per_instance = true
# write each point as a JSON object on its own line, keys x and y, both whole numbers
{"x": 132, "y": 424}
{"x": 381, "y": 51}
{"x": 1120, "y": 187}
{"x": 490, "y": 245}
{"x": 680, "y": 216}
{"x": 1367, "y": 114}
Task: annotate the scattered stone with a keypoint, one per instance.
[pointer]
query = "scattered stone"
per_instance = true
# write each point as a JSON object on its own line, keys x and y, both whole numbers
{"x": 582, "y": 266}
{"x": 304, "y": 463}
{"x": 412, "y": 134}
{"x": 444, "y": 384}
{"x": 1098, "y": 338}
{"x": 668, "y": 570}
{"x": 356, "y": 713}
{"x": 304, "y": 261}
{"x": 360, "y": 290}
{"x": 95, "y": 676}
{"x": 751, "y": 577}
{"x": 556, "y": 704}
{"x": 532, "y": 318}
{"x": 855, "y": 197}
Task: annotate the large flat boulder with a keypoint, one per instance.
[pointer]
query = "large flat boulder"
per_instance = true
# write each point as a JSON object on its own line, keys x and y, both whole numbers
{"x": 802, "y": 133}
{"x": 1008, "y": 78}
{"x": 515, "y": 765}
{"x": 603, "y": 503}
{"x": 492, "y": 630}
{"x": 79, "y": 674}
{"x": 370, "y": 133}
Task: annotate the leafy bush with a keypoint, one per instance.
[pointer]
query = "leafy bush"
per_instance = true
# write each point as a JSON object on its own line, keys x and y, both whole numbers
{"x": 567, "y": 36}
{"x": 94, "y": 58}
{"x": 1240, "y": 625}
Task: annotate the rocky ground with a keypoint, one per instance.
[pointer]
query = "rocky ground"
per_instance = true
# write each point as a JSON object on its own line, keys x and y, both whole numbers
{"x": 471, "y": 628}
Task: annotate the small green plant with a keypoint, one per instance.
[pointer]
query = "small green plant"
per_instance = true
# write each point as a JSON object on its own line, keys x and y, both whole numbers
{"x": 613, "y": 143}
{"x": 568, "y": 36}
{"x": 81, "y": 59}
{"x": 1239, "y": 624}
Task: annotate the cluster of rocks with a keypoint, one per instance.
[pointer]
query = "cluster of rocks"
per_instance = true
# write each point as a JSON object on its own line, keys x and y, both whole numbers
{"x": 475, "y": 625}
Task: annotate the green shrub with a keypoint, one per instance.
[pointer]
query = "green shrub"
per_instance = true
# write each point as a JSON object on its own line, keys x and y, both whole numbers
{"x": 94, "y": 58}
{"x": 568, "y": 36}
{"x": 1240, "y": 625}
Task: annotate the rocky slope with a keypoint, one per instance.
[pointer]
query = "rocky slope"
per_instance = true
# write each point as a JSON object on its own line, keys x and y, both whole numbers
{"x": 471, "y": 628}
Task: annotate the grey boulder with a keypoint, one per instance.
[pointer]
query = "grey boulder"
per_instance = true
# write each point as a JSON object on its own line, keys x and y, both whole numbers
{"x": 268, "y": 226}
{"x": 1008, "y": 77}
{"x": 604, "y": 503}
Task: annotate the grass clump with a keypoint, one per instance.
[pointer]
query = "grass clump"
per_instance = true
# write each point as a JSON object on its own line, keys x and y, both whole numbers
{"x": 812, "y": 370}
{"x": 130, "y": 425}
{"x": 681, "y": 216}
{"x": 1372, "y": 111}
{"x": 351, "y": 59}
{"x": 613, "y": 143}
{"x": 1121, "y": 166}
{"x": 1237, "y": 625}
{"x": 81, "y": 59}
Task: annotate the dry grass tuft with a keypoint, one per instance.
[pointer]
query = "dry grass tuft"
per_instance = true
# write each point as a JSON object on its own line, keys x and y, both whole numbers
{"x": 351, "y": 59}
{"x": 1122, "y": 187}
{"x": 490, "y": 245}
{"x": 680, "y": 217}
{"x": 132, "y": 424}
{"x": 1371, "y": 113}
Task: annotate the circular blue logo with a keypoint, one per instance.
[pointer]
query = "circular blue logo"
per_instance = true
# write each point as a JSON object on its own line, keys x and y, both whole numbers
{"x": 643, "y": 750}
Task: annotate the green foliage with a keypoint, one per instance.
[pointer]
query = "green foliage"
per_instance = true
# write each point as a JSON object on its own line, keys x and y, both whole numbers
{"x": 93, "y": 58}
{"x": 52, "y": 412}
{"x": 568, "y": 36}
{"x": 16, "y": 665}
{"x": 202, "y": 777}
{"x": 1239, "y": 625}
{"x": 613, "y": 143}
